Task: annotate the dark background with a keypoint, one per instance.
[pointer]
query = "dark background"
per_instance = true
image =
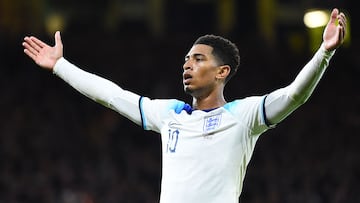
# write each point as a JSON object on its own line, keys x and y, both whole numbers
{"x": 57, "y": 146}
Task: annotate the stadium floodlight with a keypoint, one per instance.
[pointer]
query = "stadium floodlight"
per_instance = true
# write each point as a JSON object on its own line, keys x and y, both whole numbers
{"x": 316, "y": 18}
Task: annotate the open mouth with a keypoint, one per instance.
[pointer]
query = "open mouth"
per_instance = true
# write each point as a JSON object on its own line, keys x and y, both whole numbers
{"x": 186, "y": 78}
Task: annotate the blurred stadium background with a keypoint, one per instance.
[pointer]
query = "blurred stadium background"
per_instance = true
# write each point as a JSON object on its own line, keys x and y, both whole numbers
{"x": 57, "y": 146}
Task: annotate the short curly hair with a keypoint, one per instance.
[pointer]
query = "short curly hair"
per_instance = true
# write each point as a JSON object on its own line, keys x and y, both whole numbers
{"x": 224, "y": 50}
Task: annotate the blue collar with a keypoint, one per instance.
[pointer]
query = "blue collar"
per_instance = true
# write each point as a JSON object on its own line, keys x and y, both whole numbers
{"x": 189, "y": 109}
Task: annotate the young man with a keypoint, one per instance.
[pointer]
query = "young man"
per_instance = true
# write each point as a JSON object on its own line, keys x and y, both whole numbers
{"x": 207, "y": 145}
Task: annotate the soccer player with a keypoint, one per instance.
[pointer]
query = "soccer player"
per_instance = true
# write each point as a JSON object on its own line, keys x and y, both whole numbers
{"x": 206, "y": 146}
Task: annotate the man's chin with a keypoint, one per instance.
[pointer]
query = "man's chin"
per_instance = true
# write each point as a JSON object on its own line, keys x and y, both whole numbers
{"x": 188, "y": 90}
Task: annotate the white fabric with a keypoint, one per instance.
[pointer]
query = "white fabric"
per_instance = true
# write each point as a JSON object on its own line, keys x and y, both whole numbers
{"x": 205, "y": 154}
{"x": 100, "y": 90}
{"x": 280, "y": 103}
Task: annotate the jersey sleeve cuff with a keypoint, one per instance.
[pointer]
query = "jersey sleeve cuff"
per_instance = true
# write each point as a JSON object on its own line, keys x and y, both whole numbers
{"x": 325, "y": 52}
{"x": 58, "y": 65}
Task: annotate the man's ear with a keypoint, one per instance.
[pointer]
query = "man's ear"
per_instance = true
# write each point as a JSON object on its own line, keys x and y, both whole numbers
{"x": 223, "y": 72}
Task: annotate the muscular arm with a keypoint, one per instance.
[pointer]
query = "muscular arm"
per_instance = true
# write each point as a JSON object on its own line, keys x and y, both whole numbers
{"x": 99, "y": 89}
{"x": 280, "y": 103}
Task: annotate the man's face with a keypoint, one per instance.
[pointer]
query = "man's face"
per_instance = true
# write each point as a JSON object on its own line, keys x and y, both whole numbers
{"x": 200, "y": 69}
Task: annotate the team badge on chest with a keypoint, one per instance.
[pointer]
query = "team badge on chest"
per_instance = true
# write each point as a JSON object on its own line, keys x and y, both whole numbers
{"x": 211, "y": 123}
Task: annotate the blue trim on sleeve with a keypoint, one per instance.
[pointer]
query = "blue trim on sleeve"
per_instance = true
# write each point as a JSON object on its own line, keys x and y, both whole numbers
{"x": 229, "y": 106}
{"x": 143, "y": 121}
{"x": 263, "y": 113}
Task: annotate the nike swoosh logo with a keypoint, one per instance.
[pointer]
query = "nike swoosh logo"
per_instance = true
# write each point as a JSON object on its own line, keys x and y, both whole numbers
{"x": 174, "y": 124}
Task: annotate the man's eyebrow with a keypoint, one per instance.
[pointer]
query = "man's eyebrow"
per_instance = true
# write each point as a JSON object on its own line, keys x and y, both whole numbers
{"x": 193, "y": 55}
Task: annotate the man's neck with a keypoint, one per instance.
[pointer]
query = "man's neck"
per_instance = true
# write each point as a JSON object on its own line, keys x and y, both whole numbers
{"x": 208, "y": 103}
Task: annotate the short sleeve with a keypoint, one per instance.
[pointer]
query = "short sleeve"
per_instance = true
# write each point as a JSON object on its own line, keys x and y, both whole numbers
{"x": 155, "y": 111}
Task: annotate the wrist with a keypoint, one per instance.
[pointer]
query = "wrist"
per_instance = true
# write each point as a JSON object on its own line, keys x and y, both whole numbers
{"x": 58, "y": 64}
{"x": 326, "y": 50}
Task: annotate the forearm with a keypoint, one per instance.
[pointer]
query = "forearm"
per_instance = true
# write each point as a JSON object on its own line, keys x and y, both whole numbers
{"x": 99, "y": 89}
{"x": 280, "y": 103}
{"x": 308, "y": 78}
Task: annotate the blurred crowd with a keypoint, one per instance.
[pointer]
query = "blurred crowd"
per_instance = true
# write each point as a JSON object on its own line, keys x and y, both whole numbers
{"x": 57, "y": 146}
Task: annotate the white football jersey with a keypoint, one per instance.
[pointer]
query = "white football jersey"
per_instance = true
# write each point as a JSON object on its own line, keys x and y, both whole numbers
{"x": 205, "y": 154}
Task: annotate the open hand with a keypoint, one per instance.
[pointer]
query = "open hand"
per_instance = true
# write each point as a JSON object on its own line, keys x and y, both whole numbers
{"x": 43, "y": 54}
{"x": 334, "y": 33}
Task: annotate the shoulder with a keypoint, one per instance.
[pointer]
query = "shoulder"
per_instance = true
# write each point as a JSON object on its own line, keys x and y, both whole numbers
{"x": 163, "y": 104}
{"x": 252, "y": 100}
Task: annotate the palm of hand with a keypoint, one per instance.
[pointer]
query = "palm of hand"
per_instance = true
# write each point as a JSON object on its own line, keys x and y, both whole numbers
{"x": 331, "y": 37}
{"x": 47, "y": 56}
{"x": 334, "y": 33}
{"x": 43, "y": 54}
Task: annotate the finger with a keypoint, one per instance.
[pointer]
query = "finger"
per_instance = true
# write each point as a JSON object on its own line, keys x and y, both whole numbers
{"x": 30, "y": 54}
{"x": 334, "y": 14}
{"x": 342, "y": 16}
{"x": 30, "y": 41}
{"x": 342, "y": 19}
{"x": 30, "y": 49}
{"x": 38, "y": 42}
{"x": 341, "y": 34}
{"x": 342, "y": 28}
{"x": 342, "y": 24}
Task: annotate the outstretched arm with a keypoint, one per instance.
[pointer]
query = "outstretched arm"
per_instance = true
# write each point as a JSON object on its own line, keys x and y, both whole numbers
{"x": 280, "y": 103}
{"x": 96, "y": 88}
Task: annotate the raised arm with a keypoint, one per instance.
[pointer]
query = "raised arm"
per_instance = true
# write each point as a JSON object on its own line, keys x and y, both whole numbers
{"x": 280, "y": 103}
{"x": 96, "y": 88}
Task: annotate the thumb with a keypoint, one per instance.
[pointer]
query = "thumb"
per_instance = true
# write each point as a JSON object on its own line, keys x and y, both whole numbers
{"x": 58, "y": 41}
{"x": 334, "y": 14}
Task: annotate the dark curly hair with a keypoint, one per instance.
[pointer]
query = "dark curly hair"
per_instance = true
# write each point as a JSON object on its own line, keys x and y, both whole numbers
{"x": 224, "y": 50}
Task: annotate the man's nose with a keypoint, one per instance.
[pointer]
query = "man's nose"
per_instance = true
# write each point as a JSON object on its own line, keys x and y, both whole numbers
{"x": 187, "y": 65}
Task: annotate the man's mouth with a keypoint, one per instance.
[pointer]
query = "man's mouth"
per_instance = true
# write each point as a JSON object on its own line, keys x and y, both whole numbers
{"x": 186, "y": 78}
